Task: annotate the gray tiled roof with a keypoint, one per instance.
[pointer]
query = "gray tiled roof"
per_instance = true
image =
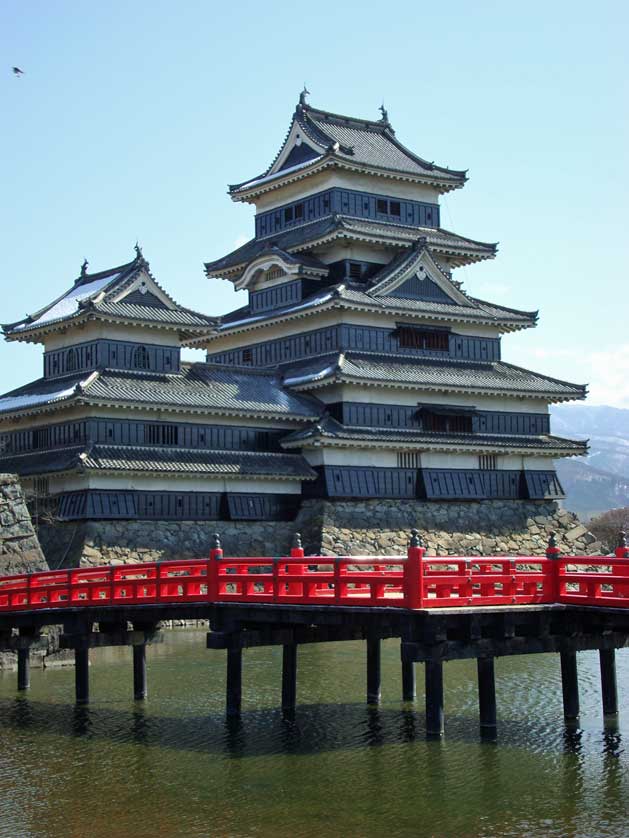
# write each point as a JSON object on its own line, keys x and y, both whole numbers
{"x": 477, "y": 309}
{"x": 178, "y": 317}
{"x": 329, "y": 428}
{"x": 304, "y": 235}
{"x": 163, "y": 460}
{"x": 358, "y": 142}
{"x": 495, "y": 378}
{"x": 369, "y": 142}
{"x": 41, "y": 393}
{"x": 358, "y": 295}
{"x": 204, "y": 387}
{"x": 42, "y": 462}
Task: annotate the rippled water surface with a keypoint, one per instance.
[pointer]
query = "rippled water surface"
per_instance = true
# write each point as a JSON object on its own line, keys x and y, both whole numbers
{"x": 171, "y": 766}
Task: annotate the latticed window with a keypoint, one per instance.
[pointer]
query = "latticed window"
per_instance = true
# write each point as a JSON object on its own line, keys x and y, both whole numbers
{"x": 140, "y": 359}
{"x": 274, "y": 273}
{"x": 72, "y": 360}
{"x": 488, "y": 462}
{"x": 161, "y": 434}
{"x": 41, "y": 438}
{"x": 410, "y": 338}
{"x": 443, "y": 423}
{"x": 409, "y": 459}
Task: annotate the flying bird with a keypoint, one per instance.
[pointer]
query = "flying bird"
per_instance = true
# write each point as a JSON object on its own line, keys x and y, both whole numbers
{"x": 17, "y": 71}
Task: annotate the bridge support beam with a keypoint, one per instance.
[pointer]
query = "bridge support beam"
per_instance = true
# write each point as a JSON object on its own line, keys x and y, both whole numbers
{"x": 486, "y": 694}
{"x": 373, "y": 669}
{"x": 82, "y": 675}
{"x": 434, "y": 698}
{"x": 408, "y": 681}
{"x": 139, "y": 673}
{"x": 570, "y": 685}
{"x": 234, "y": 681}
{"x": 289, "y": 678}
{"x": 23, "y": 669}
{"x": 609, "y": 690}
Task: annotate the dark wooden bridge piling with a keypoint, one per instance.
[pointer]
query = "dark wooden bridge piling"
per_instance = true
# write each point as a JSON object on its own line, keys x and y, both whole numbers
{"x": 409, "y": 690}
{"x": 374, "y": 668}
{"x": 486, "y": 693}
{"x": 434, "y": 698}
{"x": 289, "y": 678}
{"x": 609, "y": 689}
{"x": 140, "y": 690}
{"x": 23, "y": 669}
{"x": 569, "y": 685}
{"x": 233, "y": 686}
{"x": 82, "y": 675}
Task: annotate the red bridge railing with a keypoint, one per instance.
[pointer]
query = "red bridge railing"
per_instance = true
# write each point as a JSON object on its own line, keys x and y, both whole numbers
{"x": 413, "y": 581}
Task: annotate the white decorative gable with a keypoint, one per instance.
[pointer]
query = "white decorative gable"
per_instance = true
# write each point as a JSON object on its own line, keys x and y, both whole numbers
{"x": 419, "y": 276}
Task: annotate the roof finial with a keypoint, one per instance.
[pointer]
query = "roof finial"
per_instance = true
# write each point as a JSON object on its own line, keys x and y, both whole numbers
{"x": 84, "y": 267}
{"x": 385, "y": 113}
{"x": 302, "y": 96}
{"x": 138, "y": 251}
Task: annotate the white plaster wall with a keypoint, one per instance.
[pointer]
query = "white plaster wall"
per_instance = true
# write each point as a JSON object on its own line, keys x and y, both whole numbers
{"x": 109, "y": 331}
{"x": 346, "y": 180}
{"x": 171, "y": 483}
{"x": 360, "y": 251}
{"x": 351, "y": 457}
{"x": 391, "y": 395}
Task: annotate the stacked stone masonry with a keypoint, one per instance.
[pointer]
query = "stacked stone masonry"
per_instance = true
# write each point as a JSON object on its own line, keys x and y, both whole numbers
{"x": 19, "y": 548}
{"x": 376, "y": 527}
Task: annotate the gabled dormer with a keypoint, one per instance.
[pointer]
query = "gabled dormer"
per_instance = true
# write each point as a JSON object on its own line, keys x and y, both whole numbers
{"x": 416, "y": 275}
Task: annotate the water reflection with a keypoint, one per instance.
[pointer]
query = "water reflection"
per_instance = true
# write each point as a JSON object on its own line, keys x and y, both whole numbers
{"x": 178, "y": 767}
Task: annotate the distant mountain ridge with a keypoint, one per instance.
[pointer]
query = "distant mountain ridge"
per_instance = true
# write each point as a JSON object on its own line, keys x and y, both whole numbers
{"x": 600, "y": 481}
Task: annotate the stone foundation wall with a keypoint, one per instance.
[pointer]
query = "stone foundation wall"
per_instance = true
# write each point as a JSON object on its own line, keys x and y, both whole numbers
{"x": 19, "y": 548}
{"x": 330, "y": 528}
{"x": 471, "y": 528}
{"x": 121, "y": 542}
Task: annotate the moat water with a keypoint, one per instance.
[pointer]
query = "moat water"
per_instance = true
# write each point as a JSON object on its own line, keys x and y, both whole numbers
{"x": 172, "y": 766}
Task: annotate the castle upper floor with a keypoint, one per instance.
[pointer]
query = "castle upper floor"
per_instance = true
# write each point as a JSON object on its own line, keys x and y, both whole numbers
{"x": 119, "y": 319}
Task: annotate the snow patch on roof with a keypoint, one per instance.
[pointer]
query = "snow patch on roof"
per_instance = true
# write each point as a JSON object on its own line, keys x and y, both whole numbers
{"x": 313, "y": 301}
{"x": 295, "y": 380}
{"x": 281, "y": 173}
{"x": 33, "y": 399}
{"x": 68, "y": 305}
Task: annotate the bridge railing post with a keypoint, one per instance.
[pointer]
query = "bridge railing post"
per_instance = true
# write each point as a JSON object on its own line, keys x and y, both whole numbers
{"x": 216, "y": 554}
{"x": 553, "y": 552}
{"x": 413, "y": 572}
{"x": 622, "y": 550}
{"x": 296, "y": 552}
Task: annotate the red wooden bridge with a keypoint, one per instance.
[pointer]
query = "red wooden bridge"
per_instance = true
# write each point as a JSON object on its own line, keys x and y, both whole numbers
{"x": 441, "y": 608}
{"x": 413, "y": 581}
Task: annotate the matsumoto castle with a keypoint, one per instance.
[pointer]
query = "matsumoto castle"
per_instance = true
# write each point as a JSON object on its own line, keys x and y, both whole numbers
{"x": 358, "y": 367}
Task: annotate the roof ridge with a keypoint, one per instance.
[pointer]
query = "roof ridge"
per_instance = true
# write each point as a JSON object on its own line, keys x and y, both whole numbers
{"x": 371, "y": 124}
{"x": 86, "y": 278}
{"x": 383, "y": 128}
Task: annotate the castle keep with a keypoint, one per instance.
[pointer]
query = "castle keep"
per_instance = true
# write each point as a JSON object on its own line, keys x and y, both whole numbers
{"x": 359, "y": 367}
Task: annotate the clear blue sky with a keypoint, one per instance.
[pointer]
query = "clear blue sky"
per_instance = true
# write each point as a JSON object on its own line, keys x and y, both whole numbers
{"x": 132, "y": 118}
